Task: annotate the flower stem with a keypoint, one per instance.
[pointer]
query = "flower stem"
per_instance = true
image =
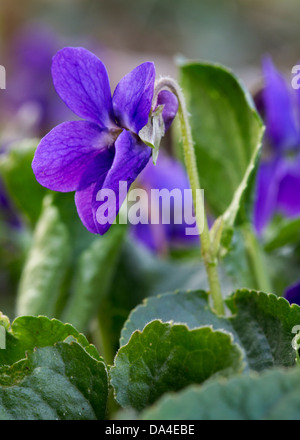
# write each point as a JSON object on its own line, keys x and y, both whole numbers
{"x": 210, "y": 260}
{"x": 256, "y": 259}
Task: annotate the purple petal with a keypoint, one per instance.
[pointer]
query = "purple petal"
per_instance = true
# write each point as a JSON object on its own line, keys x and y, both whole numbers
{"x": 93, "y": 178}
{"x": 292, "y": 293}
{"x": 81, "y": 80}
{"x": 167, "y": 174}
{"x": 170, "y": 103}
{"x": 130, "y": 159}
{"x": 96, "y": 170}
{"x": 132, "y": 98}
{"x": 289, "y": 189}
{"x": 266, "y": 193}
{"x": 279, "y": 108}
{"x": 83, "y": 201}
{"x": 63, "y": 154}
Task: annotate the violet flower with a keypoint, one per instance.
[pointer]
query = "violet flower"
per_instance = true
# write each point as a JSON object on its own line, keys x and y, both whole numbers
{"x": 30, "y": 94}
{"x": 8, "y": 212}
{"x": 278, "y": 180}
{"x": 292, "y": 293}
{"x": 159, "y": 238}
{"x": 103, "y": 149}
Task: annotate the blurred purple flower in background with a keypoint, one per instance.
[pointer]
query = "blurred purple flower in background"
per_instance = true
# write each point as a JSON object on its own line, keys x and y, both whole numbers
{"x": 8, "y": 213}
{"x": 97, "y": 153}
{"x": 167, "y": 174}
{"x": 30, "y": 103}
{"x": 30, "y": 98}
{"x": 278, "y": 180}
{"x": 278, "y": 184}
{"x": 292, "y": 293}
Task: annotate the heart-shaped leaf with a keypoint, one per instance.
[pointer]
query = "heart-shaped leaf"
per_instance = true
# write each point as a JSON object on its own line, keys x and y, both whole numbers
{"x": 262, "y": 324}
{"x": 274, "y": 395}
{"x": 166, "y": 357}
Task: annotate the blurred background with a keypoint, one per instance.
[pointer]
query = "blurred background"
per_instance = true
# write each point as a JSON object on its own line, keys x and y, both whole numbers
{"x": 236, "y": 33}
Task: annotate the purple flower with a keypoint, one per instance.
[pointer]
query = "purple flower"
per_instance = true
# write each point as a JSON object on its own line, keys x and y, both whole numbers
{"x": 96, "y": 153}
{"x": 30, "y": 96}
{"x": 8, "y": 213}
{"x": 167, "y": 174}
{"x": 292, "y": 293}
{"x": 278, "y": 180}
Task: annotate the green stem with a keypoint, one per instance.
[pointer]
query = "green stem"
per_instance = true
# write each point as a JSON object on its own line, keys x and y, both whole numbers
{"x": 209, "y": 259}
{"x": 256, "y": 259}
{"x": 101, "y": 338}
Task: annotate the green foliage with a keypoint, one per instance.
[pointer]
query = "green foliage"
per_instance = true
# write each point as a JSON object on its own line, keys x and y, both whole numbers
{"x": 264, "y": 324}
{"x": 275, "y": 395}
{"x": 49, "y": 371}
{"x": 93, "y": 278}
{"x": 45, "y": 266}
{"x": 282, "y": 232}
{"x": 260, "y": 323}
{"x": 227, "y": 132}
{"x": 15, "y": 170}
{"x": 176, "y": 354}
{"x": 29, "y": 332}
{"x": 54, "y": 383}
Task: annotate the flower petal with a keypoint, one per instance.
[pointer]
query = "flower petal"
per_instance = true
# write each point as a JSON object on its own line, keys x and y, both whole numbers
{"x": 279, "y": 110}
{"x": 266, "y": 193}
{"x": 63, "y": 154}
{"x": 132, "y": 98}
{"x": 292, "y": 293}
{"x": 81, "y": 81}
{"x": 97, "y": 168}
{"x": 168, "y": 174}
{"x": 91, "y": 180}
{"x": 170, "y": 103}
{"x": 83, "y": 201}
{"x": 130, "y": 159}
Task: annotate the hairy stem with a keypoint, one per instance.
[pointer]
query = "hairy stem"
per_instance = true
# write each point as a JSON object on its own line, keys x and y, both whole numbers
{"x": 209, "y": 259}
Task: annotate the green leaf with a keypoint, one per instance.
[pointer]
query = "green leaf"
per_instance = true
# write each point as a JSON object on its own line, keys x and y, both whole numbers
{"x": 246, "y": 262}
{"x": 50, "y": 371}
{"x": 184, "y": 307}
{"x": 166, "y": 357}
{"x": 282, "y": 232}
{"x": 274, "y": 395}
{"x": 261, "y": 323}
{"x": 237, "y": 262}
{"x": 227, "y": 132}
{"x": 140, "y": 274}
{"x": 264, "y": 324}
{"x": 29, "y": 332}
{"x": 283, "y": 267}
{"x": 16, "y": 171}
{"x": 46, "y": 265}
{"x": 52, "y": 383}
{"x": 94, "y": 275}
